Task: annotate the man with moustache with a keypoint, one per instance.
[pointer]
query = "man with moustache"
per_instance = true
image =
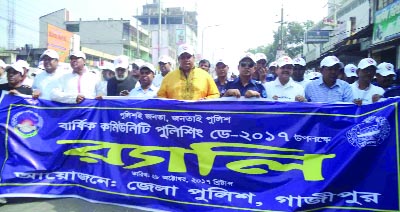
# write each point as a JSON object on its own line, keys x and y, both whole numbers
{"x": 284, "y": 88}
{"x": 80, "y": 84}
{"x": 188, "y": 82}
{"x": 165, "y": 63}
{"x": 329, "y": 88}
{"x": 15, "y": 78}
{"x": 146, "y": 88}
{"x": 121, "y": 84}
{"x": 221, "y": 69}
{"x": 46, "y": 81}
{"x": 244, "y": 85}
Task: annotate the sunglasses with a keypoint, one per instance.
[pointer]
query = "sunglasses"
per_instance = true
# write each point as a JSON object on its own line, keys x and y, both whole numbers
{"x": 247, "y": 64}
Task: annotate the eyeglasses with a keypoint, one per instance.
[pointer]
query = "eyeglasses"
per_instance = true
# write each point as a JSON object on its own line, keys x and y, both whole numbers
{"x": 247, "y": 64}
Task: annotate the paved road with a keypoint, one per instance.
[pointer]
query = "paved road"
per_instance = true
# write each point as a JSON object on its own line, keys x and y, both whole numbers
{"x": 59, "y": 205}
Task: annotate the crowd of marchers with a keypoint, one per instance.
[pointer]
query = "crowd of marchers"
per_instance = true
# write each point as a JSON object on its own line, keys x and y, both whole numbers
{"x": 280, "y": 80}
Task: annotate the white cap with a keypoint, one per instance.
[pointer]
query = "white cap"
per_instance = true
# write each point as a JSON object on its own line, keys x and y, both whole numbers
{"x": 185, "y": 48}
{"x": 221, "y": 60}
{"x": 2, "y": 64}
{"x": 350, "y": 70}
{"x": 149, "y": 66}
{"x": 121, "y": 61}
{"x": 385, "y": 69}
{"x": 299, "y": 61}
{"x": 273, "y": 64}
{"x": 165, "y": 59}
{"x": 329, "y": 61}
{"x": 260, "y": 56}
{"x": 248, "y": 55}
{"x": 366, "y": 62}
{"x": 78, "y": 54}
{"x": 23, "y": 64}
{"x": 284, "y": 60}
{"x": 51, "y": 53}
{"x": 16, "y": 66}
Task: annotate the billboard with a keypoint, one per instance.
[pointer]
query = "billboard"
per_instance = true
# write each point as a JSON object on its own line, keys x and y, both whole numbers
{"x": 59, "y": 40}
{"x": 180, "y": 36}
{"x": 317, "y": 36}
{"x": 386, "y": 23}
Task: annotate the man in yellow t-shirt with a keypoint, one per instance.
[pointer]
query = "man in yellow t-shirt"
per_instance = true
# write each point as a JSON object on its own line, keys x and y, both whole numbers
{"x": 188, "y": 82}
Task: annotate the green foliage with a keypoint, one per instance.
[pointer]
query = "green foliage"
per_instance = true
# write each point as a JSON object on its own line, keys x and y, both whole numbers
{"x": 293, "y": 38}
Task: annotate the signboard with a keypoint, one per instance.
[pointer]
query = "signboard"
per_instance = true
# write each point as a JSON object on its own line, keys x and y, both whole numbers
{"x": 180, "y": 36}
{"x": 387, "y": 22}
{"x": 203, "y": 156}
{"x": 317, "y": 36}
{"x": 59, "y": 40}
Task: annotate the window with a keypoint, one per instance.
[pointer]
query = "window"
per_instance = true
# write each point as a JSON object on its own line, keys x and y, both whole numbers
{"x": 383, "y": 3}
{"x": 73, "y": 27}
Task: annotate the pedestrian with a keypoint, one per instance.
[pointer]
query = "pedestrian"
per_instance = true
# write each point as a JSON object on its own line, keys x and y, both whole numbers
{"x": 298, "y": 71}
{"x": 188, "y": 82}
{"x": 329, "y": 88}
{"x": 78, "y": 85}
{"x": 364, "y": 92}
{"x": 46, "y": 81}
{"x": 3, "y": 73}
{"x": 261, "y": 68}
{"x": 221, "y": 69}
{"x": 27, "y": 79}
{"x": 146, "y": 88}
{"x": 121, "y": 83}
{"x": 350, "y": 73}
{"x": 15, "y": 76}
{"x": 165, "y": 63}
{"x": 284, "y": 88}
{"x": 244, "y": 85}
{"x": 385, "y": 75}
{"x": 205, "y": 65}
{"x": 271, "y": 71}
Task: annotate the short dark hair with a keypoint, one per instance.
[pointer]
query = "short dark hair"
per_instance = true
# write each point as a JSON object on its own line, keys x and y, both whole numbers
{"x": 204, "y": 61}
{"x": 135, "y": 66}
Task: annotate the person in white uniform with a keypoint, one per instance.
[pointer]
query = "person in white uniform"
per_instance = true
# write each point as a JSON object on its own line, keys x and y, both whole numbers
{"x": 364, "y": 92}
{"x": 284, "y": 88}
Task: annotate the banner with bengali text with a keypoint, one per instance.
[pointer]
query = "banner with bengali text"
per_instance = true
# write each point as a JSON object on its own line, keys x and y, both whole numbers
{"x": 203, "y": 156}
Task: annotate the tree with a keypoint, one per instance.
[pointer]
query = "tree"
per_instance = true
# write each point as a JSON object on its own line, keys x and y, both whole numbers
{"x": 293, "y": 38}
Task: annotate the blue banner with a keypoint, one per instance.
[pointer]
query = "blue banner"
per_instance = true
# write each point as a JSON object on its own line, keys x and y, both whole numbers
{"x": 203, "y": 156}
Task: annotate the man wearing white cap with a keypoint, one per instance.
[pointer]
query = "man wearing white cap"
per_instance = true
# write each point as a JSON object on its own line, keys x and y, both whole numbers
{"x": 165, "y": 64}
{"x": 3, "y": 73}
{"x": 188, "y": 82}
{"x": 80, "y": 84}
{"x": 298, "y": 71}
{"x": 121, "y": 84}
{"x": 46, "y": 81}
{"x": 271, "y": 71}
{"x": 15, "y": 77}
{"x": 329, "y": 88}
{"x": 261, "y": 68}
{"x": 146, "y": 88}
{"x": 284, "y": 88}
{"x": 244, "y": 85}
{"x": 385, "y": 75}
{"x": 221, "y": 69}
{"x": 363, "y": 91}
{"x": 25, "y": 65}
{"x": 350, "y": 73}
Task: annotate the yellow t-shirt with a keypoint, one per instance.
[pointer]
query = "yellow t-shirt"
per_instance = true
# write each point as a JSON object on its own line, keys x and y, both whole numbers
{"x": 199, "y": 84}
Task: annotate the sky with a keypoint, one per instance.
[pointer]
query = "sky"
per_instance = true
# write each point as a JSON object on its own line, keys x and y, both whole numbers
{"x": 242, "y": 24}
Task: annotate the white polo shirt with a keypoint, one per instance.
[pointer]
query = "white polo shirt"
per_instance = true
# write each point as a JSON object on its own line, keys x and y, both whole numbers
{"x": 286, "y": 92}
{"x": 366, "y": 94}
{"x": 45, "y": 83}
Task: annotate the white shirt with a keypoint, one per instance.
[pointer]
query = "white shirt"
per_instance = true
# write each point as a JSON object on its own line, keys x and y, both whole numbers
{"x": 72, "y": 84}
{"x": 303, "y": 83}
{"x": 3, "y": 78}
{"x": 157, "y": 80}
{"x": 45, "y": 83}
{"x": 366, "y": 94}
{"x": 286, "y": 92}
{"x": 103, "y": 87}
{"x": 151, "y": 92}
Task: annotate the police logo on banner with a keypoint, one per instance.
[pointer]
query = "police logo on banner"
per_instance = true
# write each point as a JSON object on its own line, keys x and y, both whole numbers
{"x": 370, "y": 132}
{"x": 27, "y": 123}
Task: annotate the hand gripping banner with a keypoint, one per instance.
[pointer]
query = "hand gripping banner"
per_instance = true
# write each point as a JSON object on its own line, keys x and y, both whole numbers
{"x": 203, "y": 156}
